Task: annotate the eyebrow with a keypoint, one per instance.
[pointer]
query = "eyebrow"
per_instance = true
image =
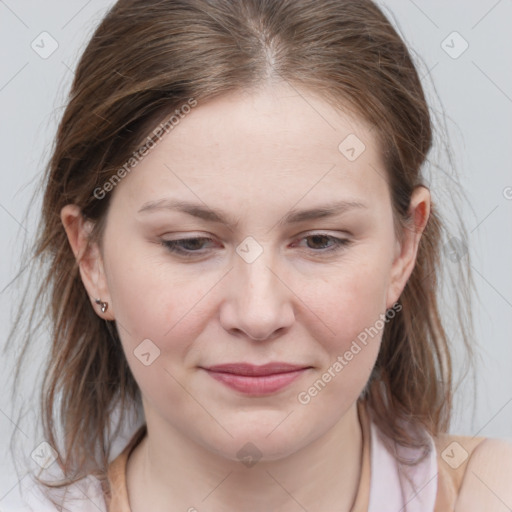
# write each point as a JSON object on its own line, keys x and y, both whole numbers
{"x": 218, "y": 216}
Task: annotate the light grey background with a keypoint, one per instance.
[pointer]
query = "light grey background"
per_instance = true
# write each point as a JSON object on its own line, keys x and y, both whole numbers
{"x": 475, "y": 89}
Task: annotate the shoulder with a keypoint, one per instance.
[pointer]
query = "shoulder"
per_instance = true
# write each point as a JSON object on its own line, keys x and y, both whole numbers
{"x": 474, "y": 474}
{"x": 488, "y": 477}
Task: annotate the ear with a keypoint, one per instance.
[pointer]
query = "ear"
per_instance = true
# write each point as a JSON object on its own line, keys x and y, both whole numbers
{"x": 89, "y": 258}
{"x": 405, "y": 253}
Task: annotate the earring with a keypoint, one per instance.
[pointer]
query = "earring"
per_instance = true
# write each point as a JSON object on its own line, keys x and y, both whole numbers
{"x": 103, "y": 305}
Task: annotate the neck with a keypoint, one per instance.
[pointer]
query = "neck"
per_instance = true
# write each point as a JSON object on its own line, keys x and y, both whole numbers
{"x": 169, "y": 471}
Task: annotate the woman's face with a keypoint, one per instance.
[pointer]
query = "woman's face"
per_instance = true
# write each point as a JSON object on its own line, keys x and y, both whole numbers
{"x": 271, "y": 275}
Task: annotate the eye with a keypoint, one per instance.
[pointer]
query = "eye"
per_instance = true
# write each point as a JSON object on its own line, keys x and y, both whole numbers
{"x": 189, "y": 247}
{"x": 319, "y": 241}
{"x": 186, "y": 246}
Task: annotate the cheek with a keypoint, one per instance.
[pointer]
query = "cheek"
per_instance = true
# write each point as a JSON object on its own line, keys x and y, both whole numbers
{"x": 353, "y": 308}
{"x": 353, "y": 300}
{"x": 158, "y": 317}
{"x": 152, "y": 300}
{"x": 356, "y": 315}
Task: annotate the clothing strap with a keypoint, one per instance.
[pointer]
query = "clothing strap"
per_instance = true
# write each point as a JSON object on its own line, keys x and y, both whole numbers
{"x": 116, "y": 498}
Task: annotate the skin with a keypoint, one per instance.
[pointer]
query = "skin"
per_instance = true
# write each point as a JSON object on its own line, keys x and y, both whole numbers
{"x": 256, "y": 156}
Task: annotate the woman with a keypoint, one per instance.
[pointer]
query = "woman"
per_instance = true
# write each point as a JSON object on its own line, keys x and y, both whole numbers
{"x": 240, "y": 241}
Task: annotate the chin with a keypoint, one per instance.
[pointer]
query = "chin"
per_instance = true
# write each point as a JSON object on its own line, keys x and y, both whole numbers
{"x": 250, "y": 445}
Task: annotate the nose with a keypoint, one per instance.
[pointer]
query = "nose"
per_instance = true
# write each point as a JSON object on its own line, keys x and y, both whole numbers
{"x": 258, "y": 303}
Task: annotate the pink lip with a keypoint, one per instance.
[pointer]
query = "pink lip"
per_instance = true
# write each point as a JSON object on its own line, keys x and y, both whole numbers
{"x": 256, "y": 380}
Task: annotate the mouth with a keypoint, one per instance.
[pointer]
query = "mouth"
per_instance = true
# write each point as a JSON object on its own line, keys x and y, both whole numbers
{"x": 256, "y": 380}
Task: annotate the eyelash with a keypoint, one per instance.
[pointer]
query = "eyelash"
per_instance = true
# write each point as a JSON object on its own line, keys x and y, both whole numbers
{"x": 174, "y": 247}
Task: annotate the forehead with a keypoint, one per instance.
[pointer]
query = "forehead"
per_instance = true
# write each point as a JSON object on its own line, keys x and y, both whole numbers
{"x": 254, "y": 146}
{"x": 288, "y": 121}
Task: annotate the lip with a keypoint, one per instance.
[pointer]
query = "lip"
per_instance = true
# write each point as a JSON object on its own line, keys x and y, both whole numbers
{"x": 256, "y": 380}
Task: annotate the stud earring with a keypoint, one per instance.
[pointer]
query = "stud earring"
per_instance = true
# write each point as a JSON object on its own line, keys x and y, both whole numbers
{"x": 103, "y": 305}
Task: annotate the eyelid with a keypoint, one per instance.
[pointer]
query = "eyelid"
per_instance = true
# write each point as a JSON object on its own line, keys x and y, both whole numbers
{"x": 338, "y": 244}
{"x": 304, "y": 234}
{"x": 326, "y": 232}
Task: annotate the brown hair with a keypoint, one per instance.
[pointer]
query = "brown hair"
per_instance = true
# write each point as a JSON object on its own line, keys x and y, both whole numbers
{"x": 148, "y": 58}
